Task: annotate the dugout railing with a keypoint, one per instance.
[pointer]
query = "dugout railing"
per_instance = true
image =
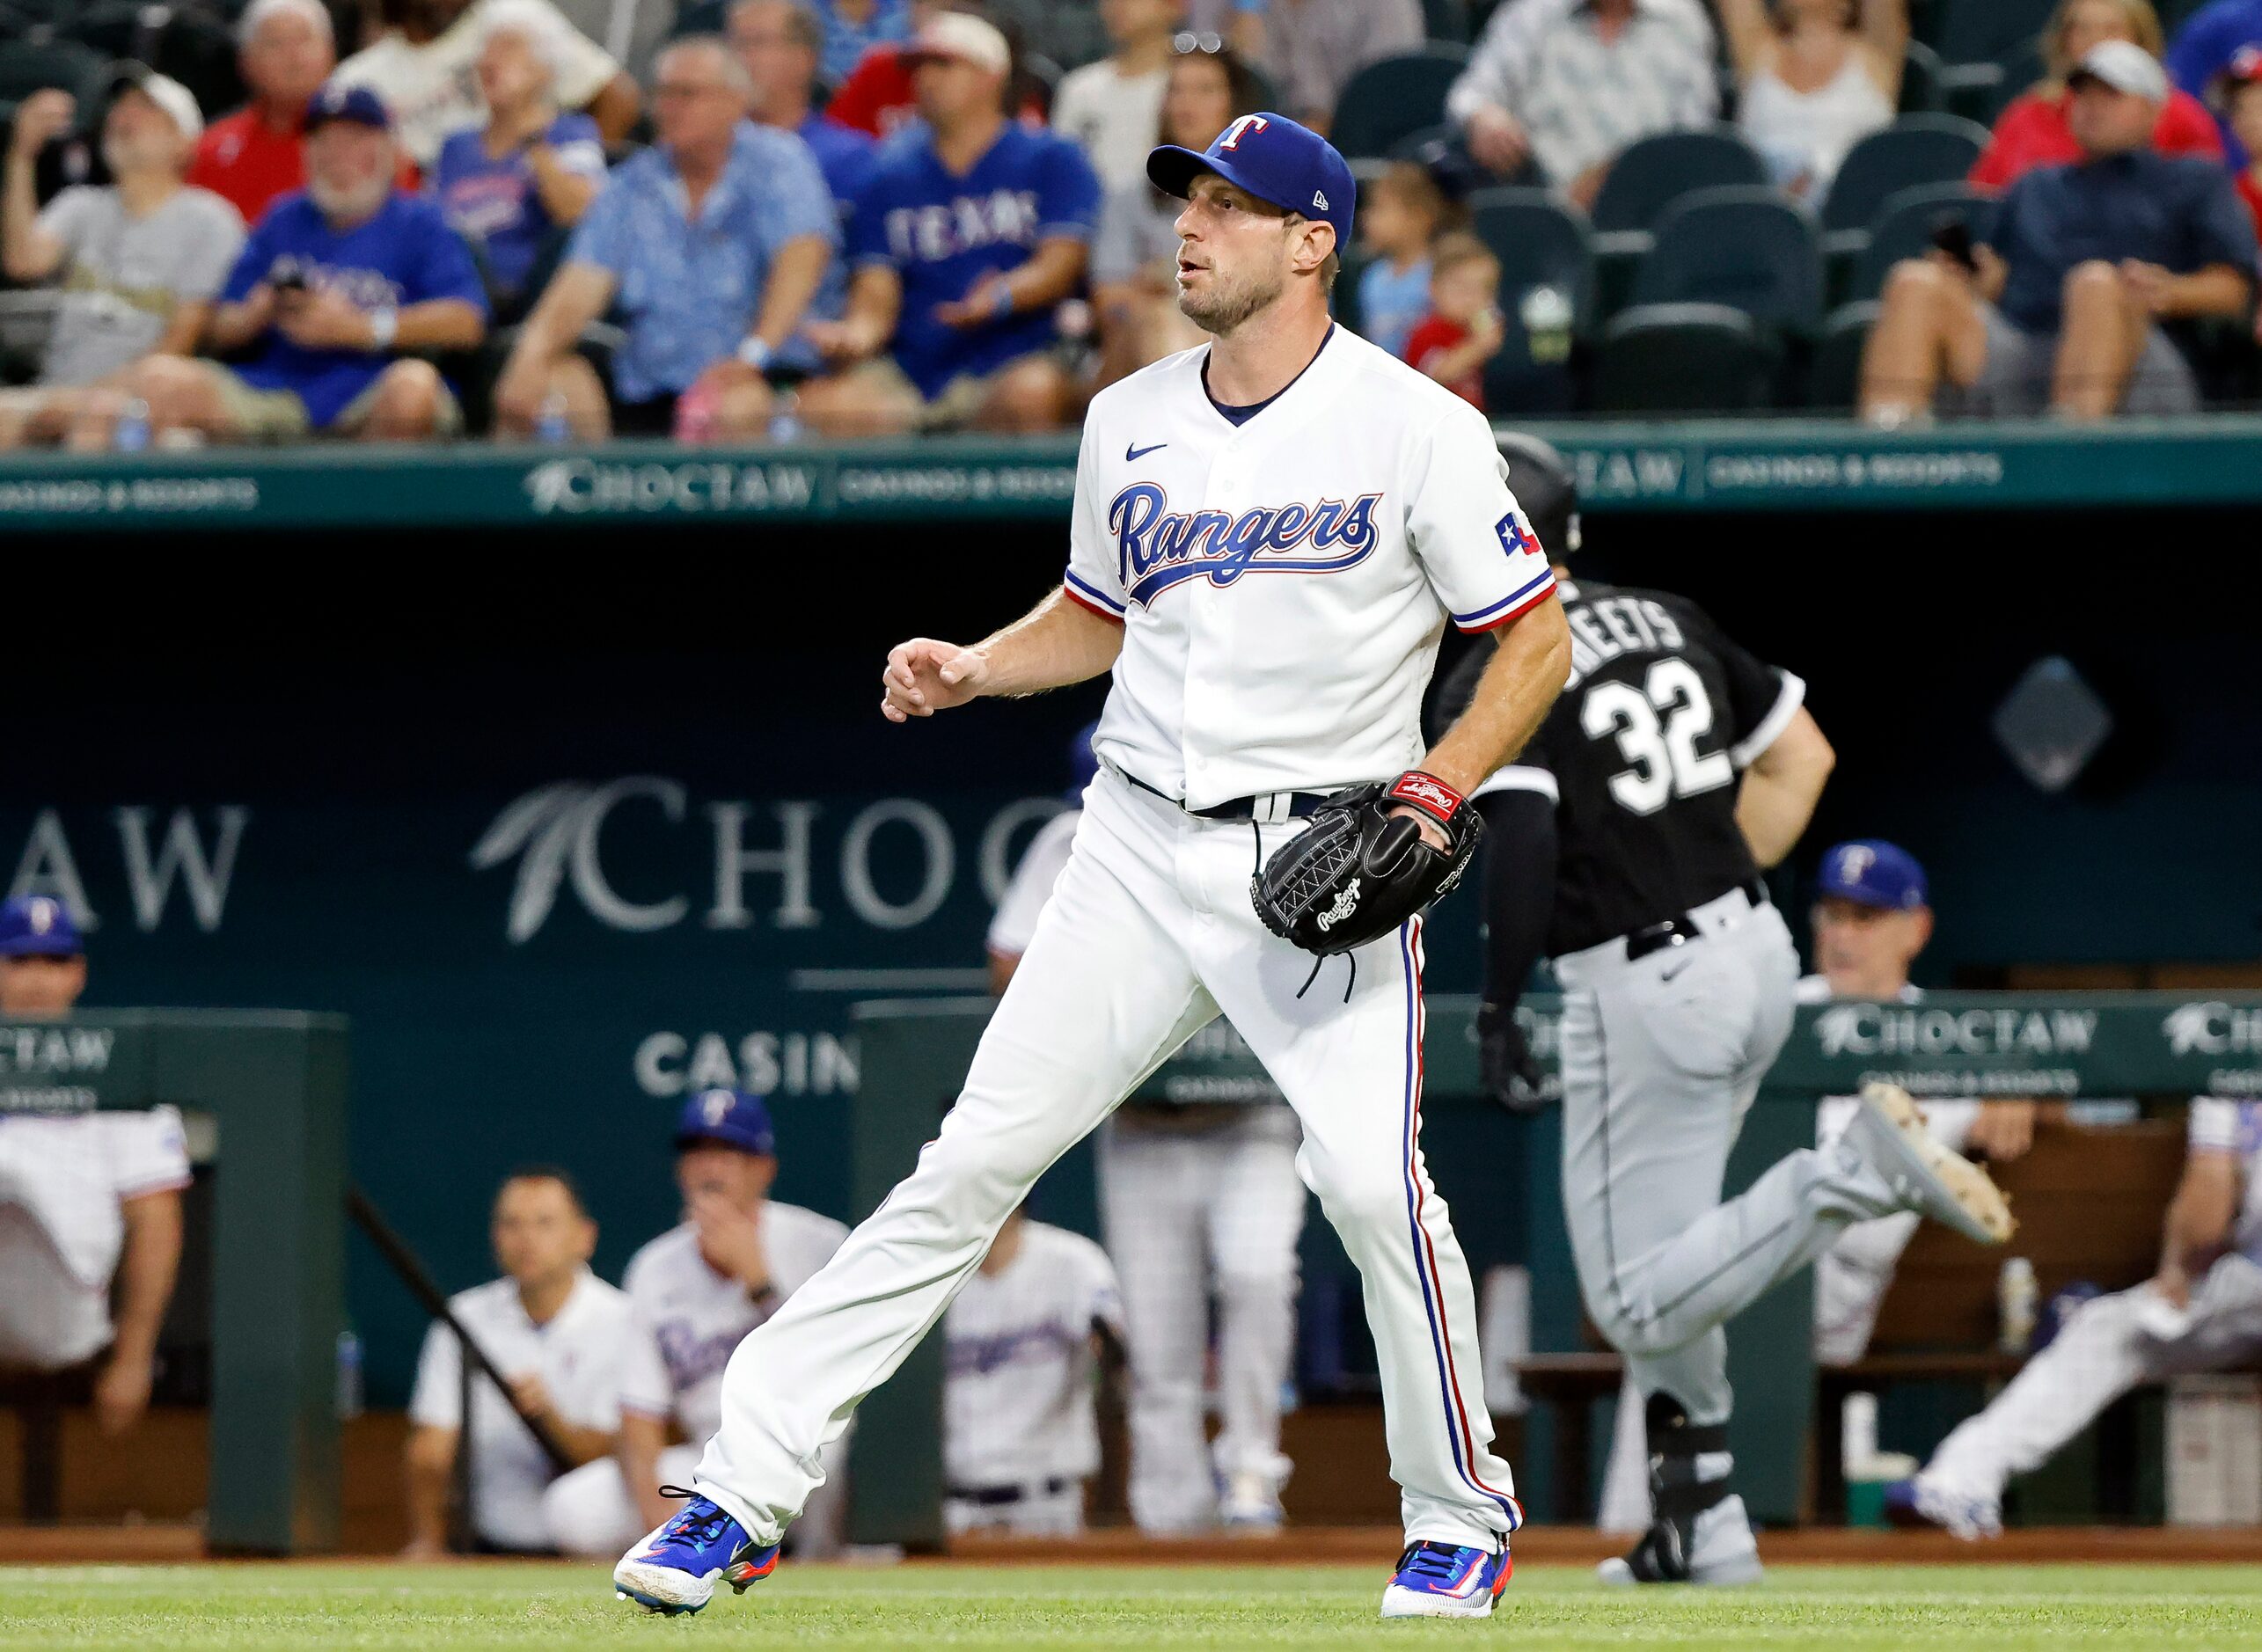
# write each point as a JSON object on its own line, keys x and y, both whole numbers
{"x": 274, "y": 1083}
{"x": 2053, "y": 1046}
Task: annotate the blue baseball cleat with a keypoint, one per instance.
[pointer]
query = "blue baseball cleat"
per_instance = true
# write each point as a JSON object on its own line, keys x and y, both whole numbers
{"x": 1436, "y": 1580}
{"x": 674, "y": 1569}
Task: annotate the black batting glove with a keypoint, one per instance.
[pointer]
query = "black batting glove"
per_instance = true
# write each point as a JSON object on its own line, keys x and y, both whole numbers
{"x": 1505, "y": 1066}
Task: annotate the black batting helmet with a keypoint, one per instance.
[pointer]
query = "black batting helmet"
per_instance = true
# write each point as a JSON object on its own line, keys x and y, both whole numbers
{"x": 1541, "y": 478}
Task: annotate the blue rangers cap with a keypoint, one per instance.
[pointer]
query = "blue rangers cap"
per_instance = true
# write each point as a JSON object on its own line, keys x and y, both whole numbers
{"x": 1873, "y": 873}
{"x": 1276, "y": 160}
{"x": 39, "y": 926}
{"x": 731, "y": 1118}
{"x": 358, "y": 104}
{"x": 1083, "y": 762}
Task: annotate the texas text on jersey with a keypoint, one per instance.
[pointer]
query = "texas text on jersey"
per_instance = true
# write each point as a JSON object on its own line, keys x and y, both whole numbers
{"x": 1641, "y": 757}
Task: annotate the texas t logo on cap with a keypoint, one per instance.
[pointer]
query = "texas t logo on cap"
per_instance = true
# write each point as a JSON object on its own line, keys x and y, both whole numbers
{"x": 1274, "y": 158}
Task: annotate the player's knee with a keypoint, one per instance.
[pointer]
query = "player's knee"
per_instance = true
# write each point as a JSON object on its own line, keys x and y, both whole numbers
{"x": 2093, "y": 280}
{"x": 587, "y": 1511}
{"x": 1258, "y": 1286}
{"x": 1914, "y": 281}
{"x": 1359, "y": 1197}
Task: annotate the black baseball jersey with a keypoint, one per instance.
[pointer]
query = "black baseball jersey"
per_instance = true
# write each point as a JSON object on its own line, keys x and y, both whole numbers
{"x": 1642, "y": 756}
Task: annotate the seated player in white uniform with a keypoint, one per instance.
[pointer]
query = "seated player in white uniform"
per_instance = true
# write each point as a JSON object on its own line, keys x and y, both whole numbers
{"x": 1195, "y": 1199}
{"x": 2201, "y": 1312}
{"x": 1022, "y": 1347}
{"x": 555, "y": 1332}
{"x": 694, "y": 1293}
{"x": 87, "y": 1200}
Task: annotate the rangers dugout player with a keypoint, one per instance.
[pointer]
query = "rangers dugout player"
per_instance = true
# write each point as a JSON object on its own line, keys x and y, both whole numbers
{"x": 1187, "y": 1193}
{"x": 2201, "y": 1312}
{"x": 1021, "y": 1350}
{"x": 693, "y": 1293}
{"x": 556, "y": 1332}
{"x": 83, "y": 1197}
{"x": 1269, "y": 534}
{"x": 1627, "y": 842}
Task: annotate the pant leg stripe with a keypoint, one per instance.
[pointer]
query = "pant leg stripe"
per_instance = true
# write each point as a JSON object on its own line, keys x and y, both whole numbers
{"x": 1425, "y": 1260}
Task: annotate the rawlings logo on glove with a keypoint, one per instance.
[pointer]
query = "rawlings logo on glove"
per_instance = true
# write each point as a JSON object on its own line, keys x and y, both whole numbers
{"x": 1359, "y": 870}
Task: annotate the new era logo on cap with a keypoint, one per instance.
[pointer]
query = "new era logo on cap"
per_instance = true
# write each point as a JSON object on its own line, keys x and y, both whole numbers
{"x": 1319, "y": 200}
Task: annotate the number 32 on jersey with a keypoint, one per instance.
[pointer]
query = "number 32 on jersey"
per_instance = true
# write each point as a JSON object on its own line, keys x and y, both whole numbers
{"x": 1658, "y": 728}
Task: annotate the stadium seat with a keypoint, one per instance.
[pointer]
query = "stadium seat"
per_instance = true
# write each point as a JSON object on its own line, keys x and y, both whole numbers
{"x": 1446, "y": 20}
{"x": 1917, "y": 149}
{"x": 1657, "y": 171}
{"x": 1539, "y": 242}
{"x": 1923, "y": 87}
{"x": 192, "y": 48}
{"x": 1834, "y": 378}
{"x": 1988, "y": 31}
{"x": 1386, "y": 101}
{"x": 1903, "y": 225}
{"x": 1746, "y": 248}
{"x": 1683, "y": 358}
{"x": 27, "y": 66}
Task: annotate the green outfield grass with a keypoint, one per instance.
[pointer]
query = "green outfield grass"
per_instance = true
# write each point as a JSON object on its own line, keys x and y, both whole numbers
{"x": 187, "y": 1609}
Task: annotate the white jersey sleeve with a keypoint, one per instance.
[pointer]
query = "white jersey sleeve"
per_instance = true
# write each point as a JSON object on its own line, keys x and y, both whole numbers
{"x": 1094, "y": 579}
{"x": 2220, "y": 1126}
{"x": 1478, "y": 552}
{"x": 1103, "y": 1293}
{"x": 149, "y": 1151}
{"x": 645, "y": 1386}
{"x": 1040, "y": 868}
{"x": 436, "y": 1401}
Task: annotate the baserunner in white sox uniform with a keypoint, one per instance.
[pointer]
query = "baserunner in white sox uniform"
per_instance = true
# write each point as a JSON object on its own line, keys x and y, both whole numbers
{"x": 1269, "y": 536}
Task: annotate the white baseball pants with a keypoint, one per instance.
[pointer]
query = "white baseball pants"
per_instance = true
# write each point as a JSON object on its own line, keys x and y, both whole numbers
{"x": 1148, "y": 935}
{"x": 2107, "y": 1348}
{"x": 1186, "y": 1211}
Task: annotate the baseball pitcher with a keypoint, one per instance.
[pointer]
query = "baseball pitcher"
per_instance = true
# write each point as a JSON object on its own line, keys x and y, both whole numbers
{"x": 1269, "y": 534}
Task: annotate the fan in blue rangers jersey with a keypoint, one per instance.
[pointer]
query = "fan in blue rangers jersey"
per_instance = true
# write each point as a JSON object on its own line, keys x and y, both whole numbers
{"x": 970, "y": 233}
{"x": 2201, "y": 1312}
{"x": 334, "y": 289}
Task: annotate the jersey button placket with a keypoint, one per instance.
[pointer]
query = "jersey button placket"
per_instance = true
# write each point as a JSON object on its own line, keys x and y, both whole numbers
{"x": 1211, "y": 691}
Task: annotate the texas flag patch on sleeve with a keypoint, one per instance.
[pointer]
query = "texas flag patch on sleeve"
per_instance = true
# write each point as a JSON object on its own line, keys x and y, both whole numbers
{"x": 1515, "y": 538}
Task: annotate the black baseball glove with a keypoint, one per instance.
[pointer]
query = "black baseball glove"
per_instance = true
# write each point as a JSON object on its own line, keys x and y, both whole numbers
{"x": 1358, "y": 871}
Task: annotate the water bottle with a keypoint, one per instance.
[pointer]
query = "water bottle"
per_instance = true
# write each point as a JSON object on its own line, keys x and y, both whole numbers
{"x": 1547, "y": 316}
{"x": 552, "y": 427}
{"x": 2018, "y": 1299}
{"x": 349, "y": 1374}
{"x": 131, "y": 432}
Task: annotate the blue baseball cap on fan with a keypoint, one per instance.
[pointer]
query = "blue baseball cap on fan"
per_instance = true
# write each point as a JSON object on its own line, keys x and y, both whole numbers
{"x": 1276, "y": 160}
{"x": 731, "y": 1118}
{"x": 39, "y": 926}
{"x": 1872, "y": 872}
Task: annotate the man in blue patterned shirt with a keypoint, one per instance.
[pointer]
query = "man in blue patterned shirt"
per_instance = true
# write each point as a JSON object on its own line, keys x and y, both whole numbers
{"x": 711, "y": 243}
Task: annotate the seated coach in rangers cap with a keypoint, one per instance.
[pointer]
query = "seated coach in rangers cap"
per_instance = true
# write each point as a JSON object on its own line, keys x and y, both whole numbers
{"x": 1269, "y": 534}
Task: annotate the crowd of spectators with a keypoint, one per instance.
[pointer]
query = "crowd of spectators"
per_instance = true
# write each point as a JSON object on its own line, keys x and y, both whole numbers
{"x": 865, "y": 218}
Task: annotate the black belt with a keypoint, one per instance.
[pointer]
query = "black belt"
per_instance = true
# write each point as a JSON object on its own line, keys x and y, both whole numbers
{"x": 1680, "y": 931}
{"x": 1241, "y": 809}
{"x": 1000, "y": 1496}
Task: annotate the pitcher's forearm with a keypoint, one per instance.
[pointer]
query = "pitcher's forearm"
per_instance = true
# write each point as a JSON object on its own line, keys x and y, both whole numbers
{"x": 1510, "y": 702}
{"x": 1055, "y": 644}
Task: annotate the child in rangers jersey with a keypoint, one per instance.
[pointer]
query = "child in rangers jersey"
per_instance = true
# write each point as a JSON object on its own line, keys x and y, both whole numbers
{"x": 555, "y": 1331}
{"x": 694, "y": 1293}
{"x": 1022, "y": 1347}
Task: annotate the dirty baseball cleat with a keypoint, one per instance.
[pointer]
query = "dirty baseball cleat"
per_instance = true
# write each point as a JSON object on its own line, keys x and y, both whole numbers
{"x": 1924, "y": 1501}
{"x": 1712, "y": 1547}
{"x": 674, "y": 1570}
{"x": 1889, "y": 1133}
{"x": 1437, "y": 1580}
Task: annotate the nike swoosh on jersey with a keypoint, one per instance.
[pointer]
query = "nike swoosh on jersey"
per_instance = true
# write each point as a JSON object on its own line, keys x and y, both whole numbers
{"x": 1133, "y": 453}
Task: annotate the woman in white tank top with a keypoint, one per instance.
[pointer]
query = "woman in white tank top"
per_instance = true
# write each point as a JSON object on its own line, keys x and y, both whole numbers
{"x": 1817, "y": 76}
